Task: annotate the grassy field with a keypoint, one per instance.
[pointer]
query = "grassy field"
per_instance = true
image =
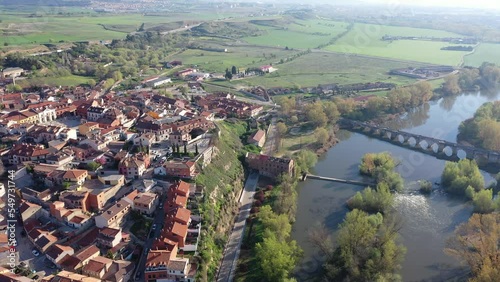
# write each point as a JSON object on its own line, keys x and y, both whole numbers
{"x": 299, "y": 34}
{"x": 323, "y": 68}
{"x": 55, "y": 81}
{"x": 365, "y": 39}
{"x": 241, "y": 57}
{"x": 486, "y": 52}
{"x": 18, "y": 28}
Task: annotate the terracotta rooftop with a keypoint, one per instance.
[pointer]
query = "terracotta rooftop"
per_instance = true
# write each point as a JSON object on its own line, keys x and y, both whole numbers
{"x": 75, "y": 173}
{"x": 158, "y": 257}
{"x": 87, "y": 252}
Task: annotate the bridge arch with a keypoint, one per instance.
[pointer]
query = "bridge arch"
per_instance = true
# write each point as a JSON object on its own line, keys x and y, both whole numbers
{"x": 412, "y": 141}
{"x": 423, "y": 145}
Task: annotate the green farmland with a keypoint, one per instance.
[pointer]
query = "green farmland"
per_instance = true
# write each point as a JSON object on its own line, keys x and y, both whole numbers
{"x": 486, "y": 52}
{"x": 21, "y": 28}
{"x": 365, "y": 39}
{"x": 324, "y": 67}
{"x": 70, "y": 80}
{"x": 241, "y": 57}
{"x": 298, "y": 34}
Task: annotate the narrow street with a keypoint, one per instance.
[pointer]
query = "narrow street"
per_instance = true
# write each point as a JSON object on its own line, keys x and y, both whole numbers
{"x": 158, "y": 220}
{"x": 232, "y": 251}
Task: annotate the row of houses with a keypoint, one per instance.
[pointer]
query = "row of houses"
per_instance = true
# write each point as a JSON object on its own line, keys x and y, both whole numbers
{"x": 180, "y": 232}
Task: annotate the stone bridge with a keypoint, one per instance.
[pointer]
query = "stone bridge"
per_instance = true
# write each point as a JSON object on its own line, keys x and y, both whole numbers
{"x": 426, "y": 144}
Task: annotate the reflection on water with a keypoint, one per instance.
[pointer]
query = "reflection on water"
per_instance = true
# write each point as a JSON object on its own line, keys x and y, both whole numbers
{"x": 428, "y": 220}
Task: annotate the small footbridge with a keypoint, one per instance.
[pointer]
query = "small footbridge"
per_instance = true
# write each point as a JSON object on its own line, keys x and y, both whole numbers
{"x": 338, "y": 180}
{"x": 422, "y": 143}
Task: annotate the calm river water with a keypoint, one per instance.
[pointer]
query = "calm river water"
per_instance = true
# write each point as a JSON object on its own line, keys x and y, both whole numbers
{"x": 427, "y": 220}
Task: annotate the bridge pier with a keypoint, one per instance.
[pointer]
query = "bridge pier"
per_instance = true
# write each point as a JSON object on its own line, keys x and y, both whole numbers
{"x": 441, "y": 147}
{"x": 470, "y": 154}
{"x": 454, "y": 150}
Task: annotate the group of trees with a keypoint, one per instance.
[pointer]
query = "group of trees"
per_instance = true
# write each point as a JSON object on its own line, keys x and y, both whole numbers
{"x": 321, "y": 113}
{"x": 484, "y": 128}
{"x": 476, "y": 243}
{"x": 378, "y": 200}
{"x": 398, "y": 99}
{"x": 366, "y": 251}
{"x": 402, "y": 98}
{"x": 380, "y": 166}
{"x": 277, "y": 254}
{"x": 487, "y": 76}
{"x": 458, "y": 176}
{"x": 305, "y": 160}
{"x": 465, "y": 179}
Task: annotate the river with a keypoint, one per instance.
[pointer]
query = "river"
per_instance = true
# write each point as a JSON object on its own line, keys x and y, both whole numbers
{"x": 427, "y": 220}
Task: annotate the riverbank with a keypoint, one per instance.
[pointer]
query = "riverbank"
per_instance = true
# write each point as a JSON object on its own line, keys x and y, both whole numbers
{"x": 332, "y": 141}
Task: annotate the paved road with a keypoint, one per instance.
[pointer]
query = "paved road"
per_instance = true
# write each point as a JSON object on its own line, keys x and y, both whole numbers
{"x": 232, "y": 251}
{"x": 270, "y": 145}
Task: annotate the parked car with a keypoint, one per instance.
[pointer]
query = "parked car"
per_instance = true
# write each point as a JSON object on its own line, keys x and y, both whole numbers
{"x": 35, "y": 253}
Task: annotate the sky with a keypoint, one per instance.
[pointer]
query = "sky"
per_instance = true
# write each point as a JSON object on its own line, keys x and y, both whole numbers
{"x": 484, "y": 4}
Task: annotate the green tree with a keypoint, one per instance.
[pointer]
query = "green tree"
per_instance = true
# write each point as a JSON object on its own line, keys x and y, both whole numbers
{"x": 451, "y": 85}
{"x": 110, "y": 255}
{"x": 483, "y": 201}
{"x": 109, "y": 83}
{"x": 399, "y": 98}
{"x": 372, "y": 162}
{"x": 316, "y": 115}
{"x": 117, "y": 76}
{"x": 228, "y": 75}
{"x": 425, "y": 187}
{"x": 183, "y": 90}
{"x": 91, "y": 82}
{"x": 282, "y": 128}
{"x": 14, "y": 88}
{"x": 456, "y": 177}
{"x": 331, "y": 111}
{"x": 286, "y": 197}
{"x": 233, "y": 70}
{"x": 277, "y": 258}
{"x": 321, "y": 135}
{"x": 373, "y": 200}
{"x": 93, "y": 166}
{"x": 376, "y": 106}
{"x": 345, "y": 106}
{"x": 287, "y": 105}
{"x": 305, "y": 160}
{"x": 367, "y": 249}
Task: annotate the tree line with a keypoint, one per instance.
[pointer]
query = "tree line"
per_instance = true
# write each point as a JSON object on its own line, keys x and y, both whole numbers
{"x": 464, "y": 179}
{"x": 486, "y": 77}
{"x": 483, "y": 129}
